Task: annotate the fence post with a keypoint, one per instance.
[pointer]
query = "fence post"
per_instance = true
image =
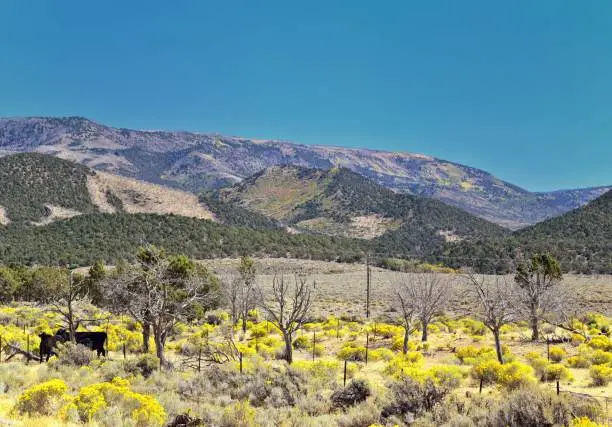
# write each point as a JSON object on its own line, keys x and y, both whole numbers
{"x": 344, "y": 382}
{"x": 124, "y": 352}
{"x": 107, "y": 341}
{"x": 367, "y": 346}
{"x": 480, "y": 388}
{"x": 548, "y": 349}
{"x": 240, "y": 362}
{"x": 558, "y": 389}
{"x": 338, "y": 329}
{"x": 314, "y": 343}
{"x": 28, "y": 348}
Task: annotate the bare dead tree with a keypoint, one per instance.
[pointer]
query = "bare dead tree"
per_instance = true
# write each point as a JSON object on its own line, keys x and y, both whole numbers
{"x": 404, "y": 302}
{"x": 66, "y": 300}
{"x": 162, "y": 292}
{"x": 427, "y": 294}
{"x": 491, "y": 302}
{"x": 287, "y": 307}
{"x": 538, "y": 280}
{"x": 230, "y": 291}
{"x": 246, "y": 289}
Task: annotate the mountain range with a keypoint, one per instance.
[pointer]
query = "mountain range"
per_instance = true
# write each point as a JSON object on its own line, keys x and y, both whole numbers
{"x": 194, "y": 162}
{"x": 55, "y": 211}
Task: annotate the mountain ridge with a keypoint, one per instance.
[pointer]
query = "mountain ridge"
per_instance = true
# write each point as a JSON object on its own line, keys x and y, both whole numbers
{"x": 194, "y": 161}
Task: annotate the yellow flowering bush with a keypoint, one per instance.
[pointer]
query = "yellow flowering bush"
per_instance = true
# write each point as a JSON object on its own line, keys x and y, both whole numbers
{"x": 468, "y": 355}
{"x": 600, "y": 357}
{"x": 578, "y": 362}
{"x": 557, "y": 353}
{"x": 351, "y": 351}
{"x": 43, "y": 399}
{"x": 600, "y": 342}
{"x": 601, "y": 375}
{"x": 404, "y": 362}
{"x": 585, "y": 422}
{"x": 94, "y": 399}
{"x": 515, "y": 375}
{"x": 556, "y": 372}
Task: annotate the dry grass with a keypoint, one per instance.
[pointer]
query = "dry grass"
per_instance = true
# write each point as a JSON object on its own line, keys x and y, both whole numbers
{"x": 340, "y": 288}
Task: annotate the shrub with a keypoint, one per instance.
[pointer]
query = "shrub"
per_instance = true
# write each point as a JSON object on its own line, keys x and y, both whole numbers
{"x": 239, "y": 415}
{"x": 531, "y": 406}
{"x": 578, "y": 362}
{"x": 557, "y": 353}
{"x": 325, "y": 371}
{"x": 585, "y": 422}
{"x": 411, "y": 397}
{"x": 356, "y": 392}
{"x": 488, "y": 371}
{"x": 556, "y": 372}
{"x": 600, "y": 357}
{"x": 93, "y": 401}
{"x": 71, "y": 354}
{"x": 352, "y": 352}
{"x": 144, "y": 365}
{"x": 577, "y": 339}
{"x": 381, "y": 354}
{"x": 601, "y": 375}
{"x": 403, "y": 363}
{"x": 515, "y": 375}
{"x": 43, "y": 399}
{"x": 468, "y": 354}
{"x": 600, "y": 342}
{"x": 446, "y": 376}
{"x": 538, "y": 363}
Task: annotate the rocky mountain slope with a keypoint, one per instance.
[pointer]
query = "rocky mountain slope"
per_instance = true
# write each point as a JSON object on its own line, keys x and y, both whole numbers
{"x": 340, "y": 202}
{"x": 192, "y": 161}
{"x": 38, "y": 189}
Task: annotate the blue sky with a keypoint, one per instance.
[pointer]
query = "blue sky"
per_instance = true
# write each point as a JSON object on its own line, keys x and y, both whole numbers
{"x": 522, "y": 89}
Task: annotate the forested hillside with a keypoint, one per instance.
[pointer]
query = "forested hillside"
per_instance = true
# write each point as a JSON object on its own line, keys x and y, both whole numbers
{"x": 580, "y": 239}
{"x": 342, "y": 203}
{"x": 86, "y": 238}
{"x": 30, "y": 181}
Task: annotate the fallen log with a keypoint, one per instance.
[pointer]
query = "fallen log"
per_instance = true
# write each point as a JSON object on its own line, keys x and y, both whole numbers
{"x": 16, "y": 350}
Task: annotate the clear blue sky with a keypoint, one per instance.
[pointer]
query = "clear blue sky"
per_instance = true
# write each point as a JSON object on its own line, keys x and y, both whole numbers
{"x": 522, "y": 89}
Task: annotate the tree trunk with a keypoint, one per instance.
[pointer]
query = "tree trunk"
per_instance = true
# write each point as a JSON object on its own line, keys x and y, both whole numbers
{"x": 288, "y": 348}
{"x": 424, "y": 336}
{"x": 406, "y": 335}
{"x": 70, "y": 319}
{"x": 535, "y": 333}
{"x": 146, "y": 336}
{"x": 498, "y": 348}
{"x": 244, "y": 323}
{"x": 159, "y": 347}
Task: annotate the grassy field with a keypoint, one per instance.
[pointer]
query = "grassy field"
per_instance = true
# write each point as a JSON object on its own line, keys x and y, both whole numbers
{"x": 130, "y": 390}
{"x": 341, "y": 288}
